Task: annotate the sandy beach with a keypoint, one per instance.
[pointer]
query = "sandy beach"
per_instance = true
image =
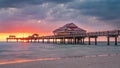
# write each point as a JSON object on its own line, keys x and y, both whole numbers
{"x": 76, "y": 62}
{"x": 56, "y": 56}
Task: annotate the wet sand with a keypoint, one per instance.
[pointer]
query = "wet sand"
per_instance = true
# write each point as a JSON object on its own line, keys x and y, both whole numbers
{"x": 74, "y": 62}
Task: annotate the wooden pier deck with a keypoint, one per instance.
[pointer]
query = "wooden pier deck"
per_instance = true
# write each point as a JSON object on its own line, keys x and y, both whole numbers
{"x": 71, "y": 38}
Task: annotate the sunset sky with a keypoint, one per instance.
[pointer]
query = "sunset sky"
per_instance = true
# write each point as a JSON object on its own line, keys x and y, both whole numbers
{"x": 25, "y": 17}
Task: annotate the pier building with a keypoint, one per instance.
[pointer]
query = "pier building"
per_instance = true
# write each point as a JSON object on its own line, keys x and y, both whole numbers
{"x": 69, "y": 29}
{"x": 72, "y": 34}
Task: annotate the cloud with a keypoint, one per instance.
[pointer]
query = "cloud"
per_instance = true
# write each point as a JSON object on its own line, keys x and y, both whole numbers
{"x": 96, "y": 14}
{"x": 23, "y": 3}
{"x": 30, "y": 9}
{"x": 26, "y": 19}
{"x": 104, "y": 10}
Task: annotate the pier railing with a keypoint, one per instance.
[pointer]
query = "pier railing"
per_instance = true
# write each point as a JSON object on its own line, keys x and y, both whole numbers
{"x": 75, "y": 37}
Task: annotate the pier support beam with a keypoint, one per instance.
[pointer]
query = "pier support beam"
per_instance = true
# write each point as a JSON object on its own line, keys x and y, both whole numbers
{"x": 43, "y": 41}
{"x": 89, "y": 41}
{"x": 108, "y": 40}
{"x": 116, "y": 40}
{"x": 78, "y": 41}
{"x": 48, "y": 40}
{"x": 64, "y": 41}
{"x": 7, "y": 40}
{"x": 113, "y": 36}
{"x": 83, "y": 41}
{"x": 55, "y": 40}
{"x": 61, "y": 40}
{"x": 31, "y": 40}
{"x": 74, "y": 40}
{"x": 95, "y": 40}
{"x": 70, "y": 41}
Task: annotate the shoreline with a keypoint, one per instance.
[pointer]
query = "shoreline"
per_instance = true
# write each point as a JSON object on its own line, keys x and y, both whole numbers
{"x": 55, "y": 59}
{"x": 101, "y": 61}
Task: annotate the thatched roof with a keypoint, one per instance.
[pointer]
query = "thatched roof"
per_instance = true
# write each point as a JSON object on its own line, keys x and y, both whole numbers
{"x": 70, "y": 27}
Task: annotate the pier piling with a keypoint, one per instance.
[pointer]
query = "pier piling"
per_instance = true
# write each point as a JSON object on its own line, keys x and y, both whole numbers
{"x": 89, "y": 41}
{"x": 116, "y": 40}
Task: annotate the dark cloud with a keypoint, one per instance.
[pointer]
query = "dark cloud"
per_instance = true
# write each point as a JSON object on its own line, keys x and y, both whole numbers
{"x": 96, "y": 14}
{"x": 22, "y": 3}
{"x": 26, "y": 13}
{"x": 104, "y": 10}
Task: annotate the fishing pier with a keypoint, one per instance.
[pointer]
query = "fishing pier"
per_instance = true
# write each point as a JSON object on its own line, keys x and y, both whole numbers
{"x": 70, "y": 33}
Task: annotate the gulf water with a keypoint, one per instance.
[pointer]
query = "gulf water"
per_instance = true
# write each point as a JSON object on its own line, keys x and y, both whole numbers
{"x": 26, "y": 51}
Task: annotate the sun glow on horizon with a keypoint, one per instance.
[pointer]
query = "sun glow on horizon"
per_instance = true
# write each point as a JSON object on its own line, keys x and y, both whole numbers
{"x": 3, "y": 36}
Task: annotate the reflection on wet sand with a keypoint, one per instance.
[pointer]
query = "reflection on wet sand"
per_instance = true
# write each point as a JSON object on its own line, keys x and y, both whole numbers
{"x": 23, "y": 60}
{"x": 45, "y": 59}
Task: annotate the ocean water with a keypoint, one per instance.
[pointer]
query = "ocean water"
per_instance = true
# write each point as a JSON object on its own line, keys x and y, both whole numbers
{"x": 27, "y": 51}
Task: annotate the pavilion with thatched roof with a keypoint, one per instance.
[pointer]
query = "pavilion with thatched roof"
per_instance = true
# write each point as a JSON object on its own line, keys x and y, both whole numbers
{"x": 69, "y": 29}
